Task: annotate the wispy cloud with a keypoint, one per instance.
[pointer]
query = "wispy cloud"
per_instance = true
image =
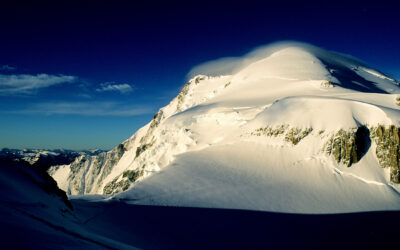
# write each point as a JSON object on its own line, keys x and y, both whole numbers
{"x": 26, "y": 84}
{"x": 85, "y": 108}
{"x": 123, "y": 88}
{"x": 7, "y": 68}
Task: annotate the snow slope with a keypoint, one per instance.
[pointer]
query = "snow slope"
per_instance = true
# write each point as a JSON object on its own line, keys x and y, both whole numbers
{"x": 257, "y": 139}
{"x": 35, "y": 214}
{"x": 255, "y": 176}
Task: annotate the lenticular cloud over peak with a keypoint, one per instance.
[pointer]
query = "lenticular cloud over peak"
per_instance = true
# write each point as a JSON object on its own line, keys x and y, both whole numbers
{"x": 230, "y": 65}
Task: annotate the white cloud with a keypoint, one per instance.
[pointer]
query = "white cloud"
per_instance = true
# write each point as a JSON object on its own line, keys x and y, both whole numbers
{"x": 25, "y": 84}
{"x": 230, "y": 65}
{"x": 85, "y": 108}
{"x": 7, "y": 68}
{"x": 112, "y": 86}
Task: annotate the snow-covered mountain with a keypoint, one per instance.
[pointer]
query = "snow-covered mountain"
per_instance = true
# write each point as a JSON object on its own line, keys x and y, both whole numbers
{"x": 43, "y": 158}
{"x": 298, "y": 129}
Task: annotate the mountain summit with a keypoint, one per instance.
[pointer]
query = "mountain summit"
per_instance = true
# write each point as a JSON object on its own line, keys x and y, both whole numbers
{"x": 294, "y": 129}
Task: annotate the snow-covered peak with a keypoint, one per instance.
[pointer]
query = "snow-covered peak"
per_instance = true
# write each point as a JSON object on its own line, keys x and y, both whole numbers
{"x": 299, "y": 62}
{"x": 292, "y": 63}
{"x": 290, "y": 115}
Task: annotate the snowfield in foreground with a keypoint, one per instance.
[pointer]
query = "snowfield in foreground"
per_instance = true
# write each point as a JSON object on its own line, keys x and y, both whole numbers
{"x": 298, "y": 129}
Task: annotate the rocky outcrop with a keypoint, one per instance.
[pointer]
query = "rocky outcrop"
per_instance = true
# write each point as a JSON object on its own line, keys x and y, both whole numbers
{"x": 121, "y": 184}
{"x": 98, "y": 167}
{"x": 342, "y": 146}
{"x": 186, "y": 91}
{"x": 181, "y": 96}
{"x": 157, "y": 119}
{"x": 270, "y": 131}
{"x": 327, "y": 84}
{"x": 148, "y": 139}
{"x": 292, "y": 135}
{"x": 143, "y": 148}
{"x": 388, "y": 149}
{"x": 397, "y": 101}
{"x": 116, "y": 186}
{"x": 295, "y": 135}
{"x": 348, "y": 147}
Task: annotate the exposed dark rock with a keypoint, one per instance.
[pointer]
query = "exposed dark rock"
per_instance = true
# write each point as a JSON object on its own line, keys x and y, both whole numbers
{"x": 132, "y": 175}
{"x": 128, "y": 177}
{"x": 327, "y": 84}
{"x": 116, "y": 186}
{"x": 181, "y": 96}
{"x": 269, "y": 131}
{"x": 102, "y": 165}
{"x": 388, "y": 149}
{"x": 198, "y": 79}
{"x": 295, "y": 135}
{"x": 348, "y": 147}
{"x": 158, "y": 117}
{"x": 143, "y": 148}
{"x": 398, "y": 101}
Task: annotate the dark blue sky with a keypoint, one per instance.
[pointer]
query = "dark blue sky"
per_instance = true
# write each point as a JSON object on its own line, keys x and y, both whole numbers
{"x": 88, "y": 74}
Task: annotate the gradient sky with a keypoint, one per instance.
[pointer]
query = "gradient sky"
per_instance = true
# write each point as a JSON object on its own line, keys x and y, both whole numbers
{"x": 87, "y": 75}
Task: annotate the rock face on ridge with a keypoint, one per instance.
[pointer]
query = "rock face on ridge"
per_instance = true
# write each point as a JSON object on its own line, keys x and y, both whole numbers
{"x": 348, "y": 147}
{"x": 86, "y": 171}
{"x": 388, "y": 149}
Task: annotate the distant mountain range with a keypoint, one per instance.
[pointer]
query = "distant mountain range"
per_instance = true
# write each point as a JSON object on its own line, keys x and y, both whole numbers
{"x": 44, "y": 158}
